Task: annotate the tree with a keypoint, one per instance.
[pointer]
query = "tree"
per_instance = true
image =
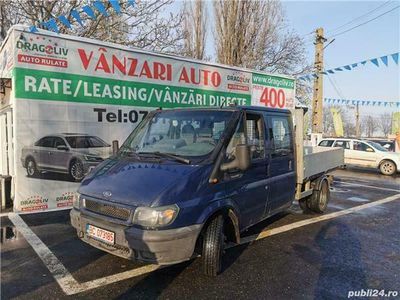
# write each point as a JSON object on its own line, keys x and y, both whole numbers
{"x": 369, "y": 126}
{"x": 251, "y": 34}
{"x": 141, "y": 26}
{"x": 194, "y": 29}
{"x": 385, "y": 124}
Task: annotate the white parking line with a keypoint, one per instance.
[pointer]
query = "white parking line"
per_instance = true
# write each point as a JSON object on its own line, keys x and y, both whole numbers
{"x": 56, "y": 268}
{"x": 368, "y": 186}
{"x": 70, "y": 286}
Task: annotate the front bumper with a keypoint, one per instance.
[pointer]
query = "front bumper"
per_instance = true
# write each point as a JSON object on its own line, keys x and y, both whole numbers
{"x": 163, "y": 247}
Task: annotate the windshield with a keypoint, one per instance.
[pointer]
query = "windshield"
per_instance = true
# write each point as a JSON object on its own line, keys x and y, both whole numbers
{"x": 183, "y": 133}
{"x": 86, "y": 142}
{"x": 377, "y": 146}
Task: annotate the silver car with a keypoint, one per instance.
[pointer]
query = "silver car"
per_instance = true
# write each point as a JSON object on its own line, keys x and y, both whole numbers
{"x": 67, "y": 153}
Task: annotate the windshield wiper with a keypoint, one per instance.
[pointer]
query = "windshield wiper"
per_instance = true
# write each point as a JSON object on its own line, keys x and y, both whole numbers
{"x": 129, "y": 151}
{"x": 169, "y": 155}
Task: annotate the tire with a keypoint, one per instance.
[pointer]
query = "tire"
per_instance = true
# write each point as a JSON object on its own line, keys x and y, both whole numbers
{"x": 319, "y": 199}
{"x": 303, "y": 203}
{"x": 387, "y": 167}
{"x": 76, "y": 171}
{"x": 213, "y": 247}
{"x": 31, "y": 168}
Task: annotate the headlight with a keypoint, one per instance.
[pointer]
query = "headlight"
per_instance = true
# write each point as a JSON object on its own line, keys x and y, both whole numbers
{"x": 92, "y": 158}
{"x": 76, "y": 200}
{"x": 155, "y": 216}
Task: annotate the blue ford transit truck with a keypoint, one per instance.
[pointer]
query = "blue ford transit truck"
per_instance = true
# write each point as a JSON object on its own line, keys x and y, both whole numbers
{"x": 188, "y": 181}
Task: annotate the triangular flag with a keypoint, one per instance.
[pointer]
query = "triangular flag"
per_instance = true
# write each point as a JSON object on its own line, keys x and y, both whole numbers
{"x": 89, "y": 11}
{"x": 384, "y": 59}
{"x": 347, "y": 67}
{"x": 331, "y": 71}
{"x": 395, "y": 57}
{"x": 131, "y": 2}
{"x": 65, "y": 21}
{"x": 115, "y": 5}
{"x": 338, "y": 69}
{"x": 100, "y": 7}
{"x": 354, "y": 65}
{"x": 51, "y": 25}
{"x": 33, "y": 29}
{"x": 324, "y": 73}
{"x": 76, "y": 16}
{"x": 375, "y": 62}
{"x": 364, "y": 62}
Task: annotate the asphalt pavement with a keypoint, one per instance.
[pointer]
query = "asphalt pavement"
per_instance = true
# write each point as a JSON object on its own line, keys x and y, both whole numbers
{"x": 354, "y": 246}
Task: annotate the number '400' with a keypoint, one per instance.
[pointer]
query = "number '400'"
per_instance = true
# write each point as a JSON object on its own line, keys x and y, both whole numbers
{"x": 273, "y": 98}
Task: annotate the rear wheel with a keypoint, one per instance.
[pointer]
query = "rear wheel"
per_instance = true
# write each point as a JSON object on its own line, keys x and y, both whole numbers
{"x": 213, "y": 247}
{"x": 387, "y": 167}
{"x": 31, "y": 168}
{"x": 304, "y": 205}
{"x": 319, "y": 199}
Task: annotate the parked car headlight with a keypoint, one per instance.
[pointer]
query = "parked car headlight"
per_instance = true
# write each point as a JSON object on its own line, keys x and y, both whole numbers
{"x": 92, "y": 158}
{"x": 155, "y": 216}
{"x": 76, "y": 200}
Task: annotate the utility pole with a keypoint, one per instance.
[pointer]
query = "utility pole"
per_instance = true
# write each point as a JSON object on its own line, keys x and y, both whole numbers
{"x": 357, "y": 121}
{"x": 317, "y": 105}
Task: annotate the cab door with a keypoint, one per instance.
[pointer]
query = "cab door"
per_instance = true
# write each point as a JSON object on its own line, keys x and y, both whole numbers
{"x": 249, "y": 189}
{"x": 282, "y": 165}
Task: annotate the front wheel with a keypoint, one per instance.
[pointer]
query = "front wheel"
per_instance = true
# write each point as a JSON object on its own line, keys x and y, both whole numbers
{"x": 213, "y": 247}
{"x": 76, "y": 170}
{"x": 387, "y": 167}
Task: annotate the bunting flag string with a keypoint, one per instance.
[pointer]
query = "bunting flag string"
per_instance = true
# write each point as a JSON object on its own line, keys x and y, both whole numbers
{"x": 54, "y": 24}
{"x": 380, "y": 103}
{"x": 378, "y": 62}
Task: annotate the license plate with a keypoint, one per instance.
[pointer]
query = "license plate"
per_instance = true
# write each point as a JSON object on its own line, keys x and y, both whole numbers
{"x": 100, "y": 234}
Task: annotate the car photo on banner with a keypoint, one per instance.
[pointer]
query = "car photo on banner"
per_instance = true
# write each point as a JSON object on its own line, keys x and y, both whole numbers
{"x": 73, "y": 154}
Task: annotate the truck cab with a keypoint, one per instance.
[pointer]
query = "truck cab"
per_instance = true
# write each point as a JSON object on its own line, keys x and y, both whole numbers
{"x": 186, "y": 182}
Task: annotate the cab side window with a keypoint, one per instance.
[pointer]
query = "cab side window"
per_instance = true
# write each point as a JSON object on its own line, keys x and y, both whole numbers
{"x": 360, "y": 146}
{"x": 282, "y": 136}
{"x": 255, "y": 136}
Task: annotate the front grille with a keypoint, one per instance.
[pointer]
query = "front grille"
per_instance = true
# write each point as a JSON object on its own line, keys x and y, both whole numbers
{"x": 108, "y": 210}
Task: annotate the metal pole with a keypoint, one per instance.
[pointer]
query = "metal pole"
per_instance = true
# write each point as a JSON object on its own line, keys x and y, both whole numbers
{"x": 357, "y": 121}
{"x": 317, "y": 105}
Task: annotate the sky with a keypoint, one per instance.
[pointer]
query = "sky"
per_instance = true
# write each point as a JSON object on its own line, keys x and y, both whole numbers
{"x": 374, "y": 39}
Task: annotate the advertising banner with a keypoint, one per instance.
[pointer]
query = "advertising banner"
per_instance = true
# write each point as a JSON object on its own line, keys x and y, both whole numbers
{"x": 74, "y": 97}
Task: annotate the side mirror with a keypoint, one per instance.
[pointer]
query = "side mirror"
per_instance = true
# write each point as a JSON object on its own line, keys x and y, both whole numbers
{"x": 242, "y": 159}
{"x": 62, "y": 147}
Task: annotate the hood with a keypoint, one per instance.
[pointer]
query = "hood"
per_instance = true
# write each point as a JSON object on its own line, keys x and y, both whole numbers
{"x": 103, "y": 152}
{"x": 135, "y": 183}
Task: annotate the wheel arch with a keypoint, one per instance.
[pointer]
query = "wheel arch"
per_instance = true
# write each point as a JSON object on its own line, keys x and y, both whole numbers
{"x": 29, "y": 156}
{"x": 388, "y": 159}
